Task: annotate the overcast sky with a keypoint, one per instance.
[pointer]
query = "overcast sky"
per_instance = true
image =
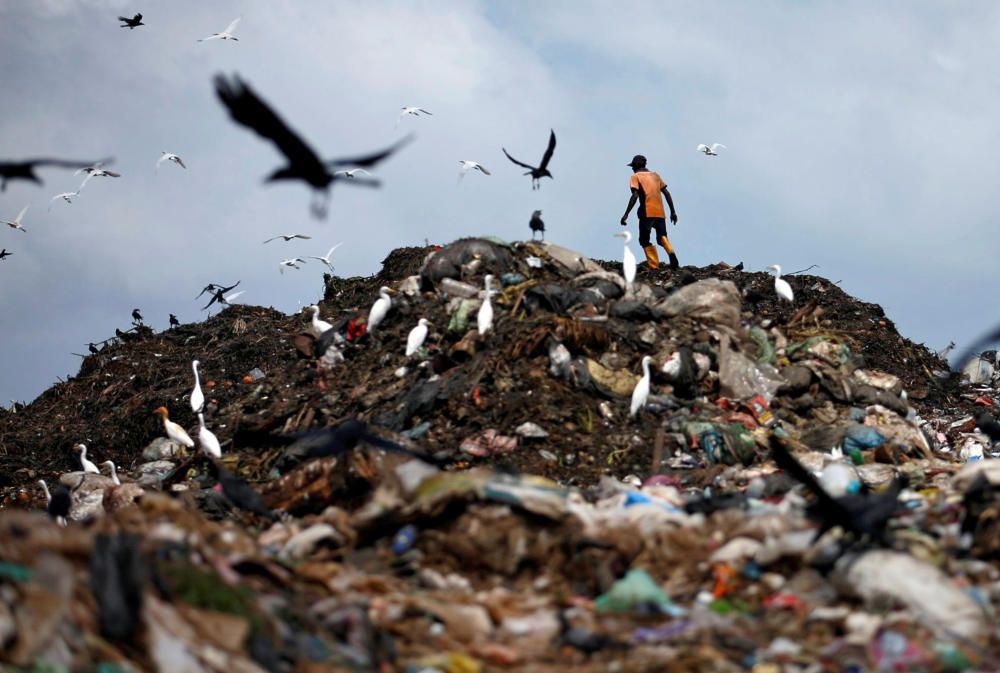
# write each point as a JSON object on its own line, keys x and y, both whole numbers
{"x": 861, "y": 138}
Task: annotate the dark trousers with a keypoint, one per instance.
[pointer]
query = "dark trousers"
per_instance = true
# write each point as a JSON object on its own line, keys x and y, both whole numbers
{"x": 646, "y": 224}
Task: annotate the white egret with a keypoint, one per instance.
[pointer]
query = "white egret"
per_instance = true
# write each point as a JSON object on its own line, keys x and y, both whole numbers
{"x": 484, "y": 319}
{"x": 318, "y": 326}
{"x": 711, "y": 150}
{"x": 628, "y": 259}
{"x": 168, "y": 156}
{"x": 88, "y": 465}
{"x": 379, "y": 309}
{"x": 175, "y": 432}
{"x": 227, "y": 34}
{"x": 781, "y": 286}
{"x": 326, "y": 258}
{"x": 197, "y": 397}
{"x": 287, "y": 237}
{"x": 471, "y": 166}
{"x": 208, "y": 441}
{"x": 351, "y": 172}
{"x": 16, "y": 224}
{"x": 641, "y": 391}
{"x": 292, "y": 263}
{"x": 415, "y": 339}
{"x": 114, "y": 472}
{"x": 65, "y": 196}
{"x": 412, "y": 110}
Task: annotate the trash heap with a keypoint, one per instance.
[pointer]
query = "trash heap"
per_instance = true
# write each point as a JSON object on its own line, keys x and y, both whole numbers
{"x": 803, "y": 490}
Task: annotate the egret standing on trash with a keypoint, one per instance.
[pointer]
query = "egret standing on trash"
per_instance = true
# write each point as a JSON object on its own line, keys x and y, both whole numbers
{"x": 646, "y": 187}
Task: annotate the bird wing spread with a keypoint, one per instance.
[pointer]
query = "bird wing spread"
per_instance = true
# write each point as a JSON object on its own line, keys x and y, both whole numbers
{"x": 549, "y": 150}
{"x": 519, "y": 163}
{"x": 370, "y": 160}
{"x": 231, "y": 27}
{"x": 247, "y": 109}
{"x": 479, "y": 167}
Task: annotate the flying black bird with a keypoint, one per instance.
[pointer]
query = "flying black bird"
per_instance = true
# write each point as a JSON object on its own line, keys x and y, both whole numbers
{"x": 25, "y": 170}
{"x": 93, "y": 349}
{"x": 4, "y": 254}
{"x": 174, "y": 322}
{"x": 247, "y": 109}
{"x": 989, "y": 426}
{"x": 866, "y": 515}
{"x": 536, "y": 224}
{"x": 542, "y": 170}
{"x": 219, "y": 295}
{"x": 134, "y": 22}
{"x": 238, "y": 492}
{"x": 136, "y": 316}
{"x": 212, "y": 287}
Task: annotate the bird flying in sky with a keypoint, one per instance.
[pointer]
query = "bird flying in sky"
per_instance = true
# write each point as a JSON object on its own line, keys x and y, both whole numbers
{"x": 711, "y": 150}
{"x": 134, "y": 22}
{"x": 326, "y": 258}
{"x": 167, "y": 156}
{"x": 292, "y": 263}
{"x": 351, "y": 173}
{"x": 16, "y": 223}
{"x": 287, "y": 237}
{"x": 65, "y": 196}
{"x": 227, "y": 34}
{"x": 4, "y": 254}
{"x": 412, "y": 111}
{"x": 25, "y": 170}
{"x": 471, "y": 166}
{"x": 542, "y": 170}
{"x": 247, "y": 109}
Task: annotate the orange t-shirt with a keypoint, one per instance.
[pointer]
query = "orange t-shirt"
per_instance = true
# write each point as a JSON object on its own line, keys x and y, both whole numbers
{"x": 649, "y": 185}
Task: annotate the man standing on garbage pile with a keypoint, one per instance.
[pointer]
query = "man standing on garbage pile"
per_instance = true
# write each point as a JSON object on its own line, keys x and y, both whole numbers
{"x": 646, "y": 186}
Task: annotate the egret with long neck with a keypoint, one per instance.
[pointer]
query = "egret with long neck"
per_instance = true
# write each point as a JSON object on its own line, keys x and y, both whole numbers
{"x": 197, "y": 397}
{"x": 641, "y": 391}
{"x": 628, "y": 259}
{"x": 484, "y": 320}
{"x": 88, "y": 466}
{"x": 781, "y": 285}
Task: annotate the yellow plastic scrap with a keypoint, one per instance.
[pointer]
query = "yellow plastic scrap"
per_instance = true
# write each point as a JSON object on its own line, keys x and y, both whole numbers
{"x": 450, "y": 662}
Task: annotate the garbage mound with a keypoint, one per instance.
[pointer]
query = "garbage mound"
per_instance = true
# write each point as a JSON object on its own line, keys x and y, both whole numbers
{"x": 802, "y": 488}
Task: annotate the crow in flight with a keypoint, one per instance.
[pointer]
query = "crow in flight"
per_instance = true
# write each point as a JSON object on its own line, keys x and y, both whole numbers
{"x": 219, "y": 295}
{"x": 239, "y": 492}
{"x": 247, "y": 109}
{"x": 134, "y": 22}
{"x": 4, "y": 254}
{"x": 25, "y": 170}
{"x": 542, "y": 170}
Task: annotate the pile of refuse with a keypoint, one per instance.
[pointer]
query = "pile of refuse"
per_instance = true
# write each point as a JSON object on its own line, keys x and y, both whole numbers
{"x": 804, "y": 489}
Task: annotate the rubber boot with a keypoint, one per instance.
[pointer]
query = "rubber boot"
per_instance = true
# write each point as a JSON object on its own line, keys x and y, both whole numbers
{"x": 674, "y": 264}
{"x": 652, "y": 259}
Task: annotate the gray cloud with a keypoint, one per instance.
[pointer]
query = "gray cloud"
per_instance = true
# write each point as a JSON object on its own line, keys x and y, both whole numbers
{"x": 860, "y": 138}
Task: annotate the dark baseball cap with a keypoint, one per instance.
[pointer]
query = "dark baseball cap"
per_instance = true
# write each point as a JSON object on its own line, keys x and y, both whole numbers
{"x": 637, "y": 160}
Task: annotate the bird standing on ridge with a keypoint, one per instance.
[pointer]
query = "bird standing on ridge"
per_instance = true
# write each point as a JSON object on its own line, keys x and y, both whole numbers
{"x": 227, "y": 34}
{"x": 628, "y": 259}
{"x": 484, "y": 319}
{"x": 247, "y": 109}
{"x": 25, "y": 170}
{"x": 132, "y": 23}
{"x": 536, "y": 224}
{"x": 379, "y": 309}
{"x": 136, "y": 316}
{"x": 471, "y": 166}
{"x": 542, "y": 170}
{"x": 197, "y": 397}
{"x": 781, "y": 286}
{"x": 415, "y": 339}
{"x": 318, "y": 326}
{"x": 207, "y": 440}
{"x": 710, "y": 150}
{"x": 16, "y": 223}
{"x": 93, "y": 349}
{"x": 287, "y": 237}
{"x": 174, "y": 322}
{"x": 175, "y": 432}
{"x": 88, "y": 466}
{"x": 167, "y": 156}
{"x": 641, "y": 391}
{"x": 326, "y": 259}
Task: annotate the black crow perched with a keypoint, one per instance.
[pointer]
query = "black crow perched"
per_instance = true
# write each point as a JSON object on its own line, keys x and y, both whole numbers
{"x": 239, "y": 492}
{"x": 174, "y": 322}
{"x": 4, "y": 254}
{"x": 536, "y": 224}
{"x": 93, "y": 349}
{"x": 60, "y": 502}
{"x": 134, "y": 22}
{"x": 136, "y": 316}
{"x": 989, "y": 426}
{"x": 25, "y": 170}
{"x": 542, "y": 170}
{"x": 866, "y": 515}
{"x": 247, "y": 109}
